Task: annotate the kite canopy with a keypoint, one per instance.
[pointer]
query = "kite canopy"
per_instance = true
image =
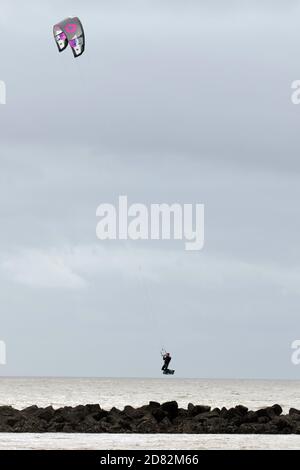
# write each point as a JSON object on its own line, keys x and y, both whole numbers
{"x": 70, "y": 31}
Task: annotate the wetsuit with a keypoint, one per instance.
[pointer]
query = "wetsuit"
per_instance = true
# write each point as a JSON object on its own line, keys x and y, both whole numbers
{"x": 167, "y": 360}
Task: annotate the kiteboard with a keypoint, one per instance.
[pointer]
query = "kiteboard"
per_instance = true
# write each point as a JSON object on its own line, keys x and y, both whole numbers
{"x": 168, "y": 372}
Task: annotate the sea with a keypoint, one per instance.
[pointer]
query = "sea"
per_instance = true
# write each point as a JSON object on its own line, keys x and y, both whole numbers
{"x": 21, "y": 392}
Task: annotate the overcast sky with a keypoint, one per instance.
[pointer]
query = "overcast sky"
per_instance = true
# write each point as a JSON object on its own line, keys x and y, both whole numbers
{"x": 173, "y": 101}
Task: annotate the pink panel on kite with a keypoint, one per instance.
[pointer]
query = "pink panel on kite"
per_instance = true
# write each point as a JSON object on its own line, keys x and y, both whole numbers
{"x": 71, "y": 28}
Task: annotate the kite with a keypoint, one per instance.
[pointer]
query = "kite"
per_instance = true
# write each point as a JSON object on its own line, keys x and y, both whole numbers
{"x": 70, "y": 32}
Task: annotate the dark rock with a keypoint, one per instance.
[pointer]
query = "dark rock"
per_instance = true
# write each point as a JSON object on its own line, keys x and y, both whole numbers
{"x": 297, "y": 428}
{"x": 5, "y": 428}
{"x": 230, "y": 414}
{"x": 165, "y": 425}
{"x": 92, "y": 409}
{"x": 100, "y": 415}
{"x": 252, "y": 428}
{"x": 105, "y": 426}
{"x": 32, "y": 424}
{"x": 12, "y": 421}
{"x": 270, "y": 412}
{"x": 20, "y": 426}
{"x": 250, "y": 417}
{"x": 8, "y": 411}
{"x": 56, "y": 427}
{"x": 30, "y": 409}
{"x": 151, "y": 418}
{"x": 197, "y": 428}
{"x": 171, "y": 408}
{"x": 182, "y": 413}
{"x": 282, "y": 423}
{"x": 242, "y": 410}
{"x": 66, "y": 414}
{"x": 115, "y": 411}
{"x": 263, "y": 419}
{"x": 189, "y": 427}
{"x": 133, "y": 413}
{"x": 266, "y": 413}
{"x": 67, "y": 428}
{"x": 277, "y": 409}
{"x": 147, "y": 425}
{"x": 45, "y": 413}
{"x": 89, "y": 421}
{"x": 126, "y": 425}
{"x": 231, "y": 429}
{"x": 271, "y": 429}
{"x": 294, "y": 413}
{"x": 159, "y": 414}
{"x": 153, "y": 405}
{"x": 214, "y": 424}
{"x": 129, "y": 410}
{"x": 246, "y": 428}
{"x": 195, "y": 410}
{"x": 58, "y": 419}
{"x": 206, "y": 416}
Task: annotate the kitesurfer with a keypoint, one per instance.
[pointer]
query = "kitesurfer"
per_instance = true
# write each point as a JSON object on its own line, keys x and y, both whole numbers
{"x": 167, "y": 359}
